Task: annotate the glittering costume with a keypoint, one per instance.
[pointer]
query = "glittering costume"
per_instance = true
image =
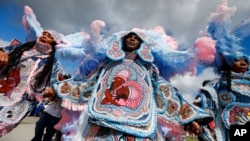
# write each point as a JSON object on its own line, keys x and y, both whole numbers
{"x": 19, "y": 85}
{"x": 32, "y": 67}
{"x": 226, "y": 97}
{"x": 115, "y": 95}
{"x": 125, "y": 98}
{"x": 229, "y": 106}
{"x": 22, "y": 81}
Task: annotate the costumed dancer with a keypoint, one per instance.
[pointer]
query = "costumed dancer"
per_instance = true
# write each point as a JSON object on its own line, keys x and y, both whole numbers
{"x": 121, "y": 88}
{"x": 227, "y": 97}
{"x": 26, "y": 71}
{"x": 123, "y": 92}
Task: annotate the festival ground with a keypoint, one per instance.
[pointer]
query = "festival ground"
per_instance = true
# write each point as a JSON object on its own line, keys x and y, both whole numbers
{"x": 24, "y": 132}
{"x": 26, "y": 129}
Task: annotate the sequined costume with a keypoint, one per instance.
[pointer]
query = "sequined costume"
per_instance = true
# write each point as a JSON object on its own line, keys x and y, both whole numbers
{"x": 226, "y": 97}
{"x": 18, "y": 90}
{"x": 229, "y": 106}
{"x": 125, "y": 98}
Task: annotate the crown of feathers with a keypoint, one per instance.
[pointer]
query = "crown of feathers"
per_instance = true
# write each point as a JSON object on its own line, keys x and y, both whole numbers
{"x": 226, "y": 46}
{"x": 157, "y": 48}
{"x": 153, "y": 49}
{"x": 92, "y": 49}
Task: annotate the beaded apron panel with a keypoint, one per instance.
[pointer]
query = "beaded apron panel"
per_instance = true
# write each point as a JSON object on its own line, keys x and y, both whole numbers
{"x": 123, "y": 99}
{"x": 236, "y": 114}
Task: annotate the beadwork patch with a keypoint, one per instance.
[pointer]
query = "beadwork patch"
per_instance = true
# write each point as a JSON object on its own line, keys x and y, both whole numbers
{"x": 123, "y": 95}
{"x": 236, "y": 114}
{"x": 75, "y": 94}
{"x": 225, "y": 97}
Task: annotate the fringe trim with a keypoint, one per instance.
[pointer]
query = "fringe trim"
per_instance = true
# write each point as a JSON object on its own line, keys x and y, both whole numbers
{"x": 73, "y": 106}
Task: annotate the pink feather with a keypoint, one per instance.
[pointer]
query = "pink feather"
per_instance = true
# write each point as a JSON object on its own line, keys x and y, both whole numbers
{"x": 205, "y": 49}
{"x": 28, "y": 12}
{"x": 170, "y": 40}
{"x": 96, "y": 27}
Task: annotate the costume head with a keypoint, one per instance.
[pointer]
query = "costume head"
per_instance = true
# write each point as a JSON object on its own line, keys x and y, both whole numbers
{"x": 231, "y": 58}
{"x": 240, "y": 64}
{"x": 153, "y": 49}
{"x": 116, "y": 51}
{"x": 124, "y": 44}
{"x": 226, "y": 57}
{"x": 228, "y": 47}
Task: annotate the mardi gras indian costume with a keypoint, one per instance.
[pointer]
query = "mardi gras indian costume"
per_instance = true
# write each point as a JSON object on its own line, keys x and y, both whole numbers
{"x": 118, "y": 96}
{"x": 229, "y": 102}
{"x": 121, "y": 96}
{"x": 26, "y": 76}
{"x": 22, "y": 80}
{"x": 227, "y": 97}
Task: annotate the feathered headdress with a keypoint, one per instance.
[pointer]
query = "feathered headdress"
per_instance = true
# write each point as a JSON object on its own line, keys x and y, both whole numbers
{"x": 155, "y": 48}
{"x": 226, "y": 45}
